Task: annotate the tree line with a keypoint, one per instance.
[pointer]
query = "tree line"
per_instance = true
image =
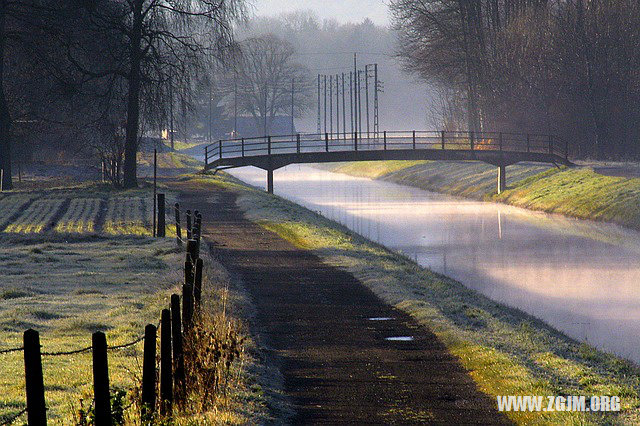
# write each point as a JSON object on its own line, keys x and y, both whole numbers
{"x": 95, "y": 74}
{"x": 568, "y": 67}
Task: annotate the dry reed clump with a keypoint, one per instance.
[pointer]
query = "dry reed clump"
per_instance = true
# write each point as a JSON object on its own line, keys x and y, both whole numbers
{"x": 211, "y": 348}
{"x": 214, "y": 350}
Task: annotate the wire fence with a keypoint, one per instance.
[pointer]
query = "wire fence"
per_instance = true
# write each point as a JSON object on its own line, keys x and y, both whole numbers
{"x": 13, "y": 418}
{"x": 6, "y": 351}
{"x": 182, "y": 314}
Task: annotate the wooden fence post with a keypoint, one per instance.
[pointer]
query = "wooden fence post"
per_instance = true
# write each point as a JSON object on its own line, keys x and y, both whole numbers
{"x": 178, "y": 228}
{"x": 188, "y": 272}
{"x": 199, "y": 219}
{"x": 197, "y": 283}
{"x": 195, "y": 231}
{"x": 161, "y": 217}
{"x": 187, "y": 307}
{"x": 178, "y": 351}
{"x": 102, "y": 400}
{"x": 149, "y": 373}
{"x": 187, "y": 296}
{"x": 192, "y": 249}
{"x": 36, "y": 408}
{"x": 188, "y": 215}
{"x": 194, "y": 223}
{"x": 166, "y": 364}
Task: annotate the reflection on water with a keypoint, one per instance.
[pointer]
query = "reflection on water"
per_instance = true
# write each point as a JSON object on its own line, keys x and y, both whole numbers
{"x": 580, "y": 277}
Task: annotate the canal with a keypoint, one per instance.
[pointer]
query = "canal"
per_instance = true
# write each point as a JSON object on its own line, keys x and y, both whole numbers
{"x": 581, "y": 277}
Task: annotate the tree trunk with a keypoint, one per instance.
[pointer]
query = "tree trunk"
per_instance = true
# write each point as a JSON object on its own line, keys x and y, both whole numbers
{"x": 5, "y": 117}
{"x": 599, "y": 123}
{"x": 133, "y": 100}
{"x": 471, "y": 65}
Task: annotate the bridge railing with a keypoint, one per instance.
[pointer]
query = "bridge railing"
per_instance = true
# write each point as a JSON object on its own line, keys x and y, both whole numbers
{"x": 387, "y": 140}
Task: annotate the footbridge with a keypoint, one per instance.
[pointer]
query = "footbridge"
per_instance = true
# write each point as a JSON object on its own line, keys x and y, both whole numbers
{"x": 496, "y": 148}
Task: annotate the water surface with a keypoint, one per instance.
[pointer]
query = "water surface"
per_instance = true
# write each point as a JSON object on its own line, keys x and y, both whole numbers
{"x": 581, "y": 277}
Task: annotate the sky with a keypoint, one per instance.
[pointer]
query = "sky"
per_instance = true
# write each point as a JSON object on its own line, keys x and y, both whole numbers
{"x": 341, "y": 10}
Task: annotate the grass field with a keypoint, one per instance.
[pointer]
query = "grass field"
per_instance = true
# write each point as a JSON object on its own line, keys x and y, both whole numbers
{"x": 83, "y": 209}
{"x": 576, "y": 192}
{"x": 79, "y": 260}
{"x": 67, "y": 289}
{"x": 506, "y": 351}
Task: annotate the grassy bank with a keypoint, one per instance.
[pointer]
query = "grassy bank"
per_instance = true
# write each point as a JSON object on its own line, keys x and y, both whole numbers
{"x": 576, "y": 192}
{"x": 505, "y": 350}
{"x": 79, "y": 260}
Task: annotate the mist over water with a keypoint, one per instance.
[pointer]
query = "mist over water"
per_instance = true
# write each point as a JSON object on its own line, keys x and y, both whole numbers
{"x": 580, "y": 277}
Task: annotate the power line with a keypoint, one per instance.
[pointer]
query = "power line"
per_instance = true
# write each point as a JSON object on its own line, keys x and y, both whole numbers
{"x": 357, "y": 79}
{"x": 342, "y": 53}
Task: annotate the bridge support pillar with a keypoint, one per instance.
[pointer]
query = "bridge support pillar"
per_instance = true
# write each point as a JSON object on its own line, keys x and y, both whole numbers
{"x": 502, "y": 178}
{"x": 270, "y": 181}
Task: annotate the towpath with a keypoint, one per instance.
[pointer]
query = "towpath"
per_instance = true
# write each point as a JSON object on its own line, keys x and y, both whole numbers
{"x": 337, "y": 363}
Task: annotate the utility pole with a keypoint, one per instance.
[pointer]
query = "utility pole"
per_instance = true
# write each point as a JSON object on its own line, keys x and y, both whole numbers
{"x": 266, "y": 92}
{"x": 330, "y": 104}
{"x": 355, "y": 90}
{"x": 325, "y": 104}
{"x": 366, "y": 90}
{"x": 344, "y": 115}
{"x": 376, "y": 112}
{"x": 293, "y": 127}
{"x": 359, "y": 101}
{"x": 235, "y": 104}
{"x": 351, "y": 100}
{"x": 210, "y": 112}
{"x": 337, "y": 107}
{"x": 319, "y": 114}
{"x": 171, "y": 112}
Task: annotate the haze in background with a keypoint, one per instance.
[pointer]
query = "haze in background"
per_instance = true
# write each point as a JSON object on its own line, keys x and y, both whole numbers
{"x": 342, "y": 11}
{"x": 326, "y": 46}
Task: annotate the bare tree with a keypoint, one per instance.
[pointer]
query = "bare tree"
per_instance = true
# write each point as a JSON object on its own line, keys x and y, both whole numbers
{"x": 567, "y": 67}
{"x": 168, "y": 43}
{"x": 261, "y": 81}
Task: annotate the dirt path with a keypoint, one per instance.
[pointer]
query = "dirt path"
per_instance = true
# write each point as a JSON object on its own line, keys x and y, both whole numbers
{"x": 336, "y": 363}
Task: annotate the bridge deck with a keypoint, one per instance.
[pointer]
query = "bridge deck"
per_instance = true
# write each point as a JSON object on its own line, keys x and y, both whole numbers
{"x": 273, "y": 152}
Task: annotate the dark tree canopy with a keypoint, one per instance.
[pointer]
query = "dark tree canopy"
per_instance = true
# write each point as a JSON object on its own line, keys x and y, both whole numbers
{"x": 567, "y": 67}
{"x": 89, "y": 66}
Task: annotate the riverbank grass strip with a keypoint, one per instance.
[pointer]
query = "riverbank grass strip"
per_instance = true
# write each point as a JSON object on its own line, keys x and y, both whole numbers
{"x": 506, "y": 351}
{"x": 575, "y": 192}
{"x": 580, "y": 193}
